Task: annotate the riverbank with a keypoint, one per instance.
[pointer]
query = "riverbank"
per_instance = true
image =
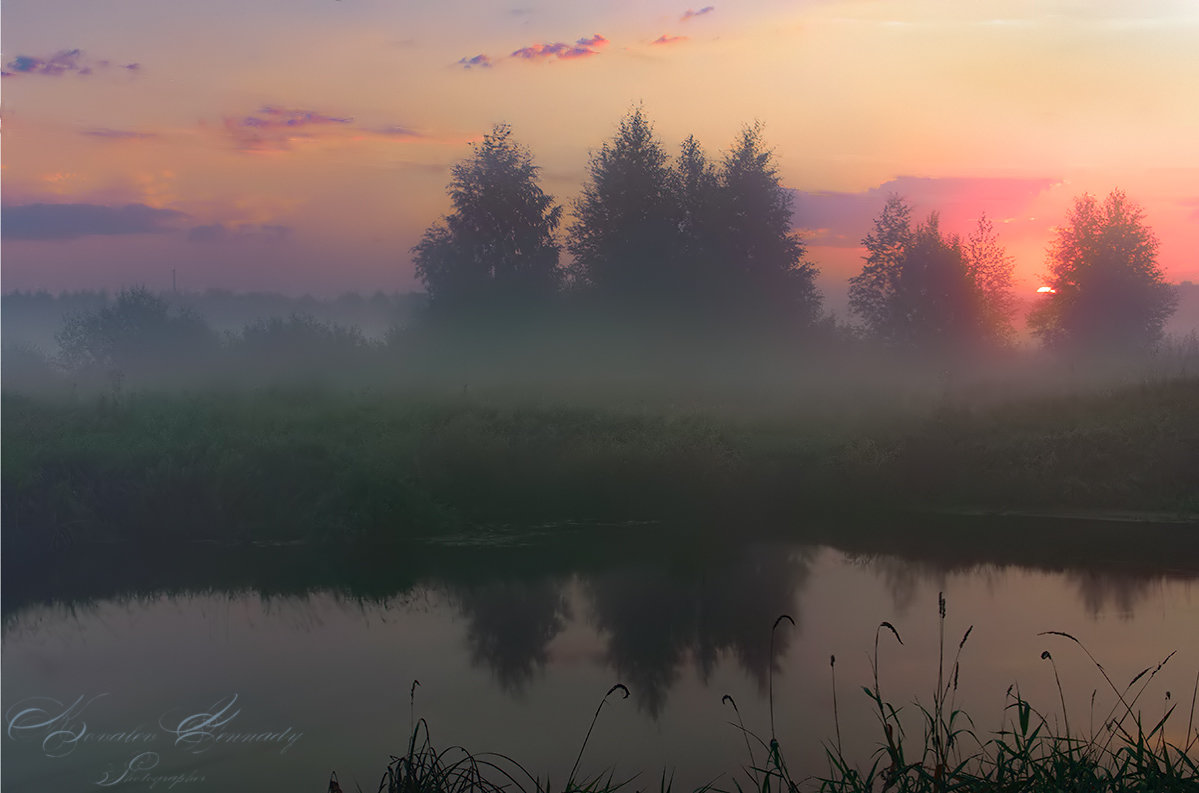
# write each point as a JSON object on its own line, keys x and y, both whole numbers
{"x": 324, "y": 466}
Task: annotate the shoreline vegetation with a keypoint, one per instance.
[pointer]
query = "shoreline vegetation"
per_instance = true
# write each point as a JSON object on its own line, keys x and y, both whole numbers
{"x": 922, "y": 747}
{"x": 322, "y": 465}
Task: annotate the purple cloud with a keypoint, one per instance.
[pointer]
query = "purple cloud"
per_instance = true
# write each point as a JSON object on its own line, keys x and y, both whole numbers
{"x": 219, "y": 232}
{"x": 274, "y": 128}
{"x": 71, "y": 221}
{"x": 270, "y": 117}
{"x": 583, "y": 48}
{"x": 479, "y": 61}
{"x": 105, "y": 133}
{"x": 843, "y": 219}
{"x": 666, "y": 39}
{"x": 693, "y": 14}
{"x": 62, "y": 62}
{"x": 397, "y": 131}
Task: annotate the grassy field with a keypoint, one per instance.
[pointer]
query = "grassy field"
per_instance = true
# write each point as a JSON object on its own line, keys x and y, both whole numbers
{"x": 315, "y": 465}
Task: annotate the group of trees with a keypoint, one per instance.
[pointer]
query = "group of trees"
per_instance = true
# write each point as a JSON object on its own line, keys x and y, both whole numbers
{"x": 687, "y": 237}
{"x": 138, "y": 335}
{"x": 1104, "y": 292}
{"x": 714, "y": 242}
{"x": 685, "y": 241}
{"x": 920, "y": 288}
{"x": 140, "y": 338}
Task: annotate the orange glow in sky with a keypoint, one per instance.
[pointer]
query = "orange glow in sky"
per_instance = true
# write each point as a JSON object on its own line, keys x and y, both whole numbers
{"x": 304, "y": 146}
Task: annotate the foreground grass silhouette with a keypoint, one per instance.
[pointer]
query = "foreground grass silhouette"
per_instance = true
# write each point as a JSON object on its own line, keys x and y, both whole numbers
{"x": 1030, "y": 752}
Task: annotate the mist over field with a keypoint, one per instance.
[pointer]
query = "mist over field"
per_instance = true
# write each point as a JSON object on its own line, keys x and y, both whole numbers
{"x": 680, "y": 361}
{"x": 382, "y": 335}
{"x": 676, "y": 434}
{"x": 686, "y": 282}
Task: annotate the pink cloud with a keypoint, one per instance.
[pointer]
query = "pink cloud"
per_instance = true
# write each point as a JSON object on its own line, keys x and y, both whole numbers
{"x": 597, "y": 41}
{"x": 666, "y": 39}
{"x": 693, "y": 14}
{"x": 583, "y": 48}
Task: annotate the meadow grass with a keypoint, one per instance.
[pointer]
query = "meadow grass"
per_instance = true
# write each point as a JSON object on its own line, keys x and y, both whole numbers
{"x": 317, "y": 465}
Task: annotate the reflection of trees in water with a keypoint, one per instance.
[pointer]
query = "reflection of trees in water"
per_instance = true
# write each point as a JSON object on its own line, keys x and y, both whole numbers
{"x": 1096, "y": 588}
{"x": 903, "y": 577}
{"x": 511, "y": 622}
{"x": 647, "y": 615}
{"x": 737, "y": 608}
{"x": 653, "y": 618}
{"x": 1124, "y": 591}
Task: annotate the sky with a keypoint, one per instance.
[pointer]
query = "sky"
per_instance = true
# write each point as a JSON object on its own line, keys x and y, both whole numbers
{"x": 304, "y": 145}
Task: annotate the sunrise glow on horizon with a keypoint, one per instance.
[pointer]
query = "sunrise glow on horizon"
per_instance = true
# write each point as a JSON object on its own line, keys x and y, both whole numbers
{"x": 304, "y": 146}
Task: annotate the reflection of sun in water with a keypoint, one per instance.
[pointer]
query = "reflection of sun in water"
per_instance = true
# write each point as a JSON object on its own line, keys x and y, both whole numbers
{"x": 1049, "y": 290}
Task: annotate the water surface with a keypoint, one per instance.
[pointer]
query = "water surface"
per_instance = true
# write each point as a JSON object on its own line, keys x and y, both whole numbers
{"x": 256, "y": 671}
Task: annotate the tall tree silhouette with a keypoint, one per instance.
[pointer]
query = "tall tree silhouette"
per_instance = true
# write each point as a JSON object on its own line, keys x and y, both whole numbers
{"x": 699, "y": 206}
{"x": 872, "y": 292}
{"x": 1108, "y": 290}
{"x": 625, "y": 239}
{"x": 496, "y": 251}
{"x": 764, "y": 258}
{"x": 938, "y": 300}
{"x": 990, "y": 268}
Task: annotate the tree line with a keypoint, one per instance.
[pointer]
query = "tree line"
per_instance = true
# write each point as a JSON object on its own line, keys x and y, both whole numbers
{"x": 690, "y": 239}
{"x": 684, "y": 239}
{"x": 686, "y": 253}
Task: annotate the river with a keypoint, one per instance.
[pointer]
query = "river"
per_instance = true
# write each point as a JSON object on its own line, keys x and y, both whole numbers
{"x": 267, "y": 669}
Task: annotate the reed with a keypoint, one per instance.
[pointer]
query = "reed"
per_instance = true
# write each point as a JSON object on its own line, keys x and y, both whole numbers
{"x": 1027, "y": 754}
{"x": 425, "y": 769}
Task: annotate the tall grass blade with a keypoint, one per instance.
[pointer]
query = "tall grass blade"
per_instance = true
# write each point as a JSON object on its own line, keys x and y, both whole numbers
{"x": 574, "y": 769}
